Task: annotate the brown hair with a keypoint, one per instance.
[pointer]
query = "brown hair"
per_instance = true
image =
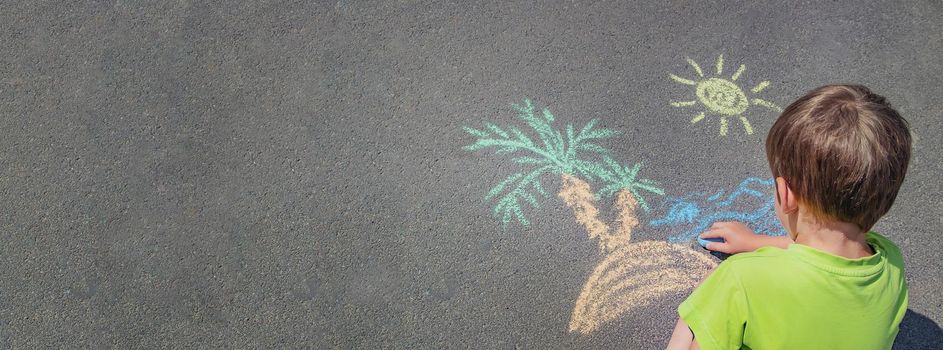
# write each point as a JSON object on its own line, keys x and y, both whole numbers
{"x": 844, "y": 152}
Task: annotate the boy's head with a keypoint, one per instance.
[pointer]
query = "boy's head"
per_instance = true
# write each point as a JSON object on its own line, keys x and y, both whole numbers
{"x": 842, "y": 151}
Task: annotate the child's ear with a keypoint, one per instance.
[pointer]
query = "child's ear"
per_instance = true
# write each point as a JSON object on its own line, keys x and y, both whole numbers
{"x": 785, "y": 196}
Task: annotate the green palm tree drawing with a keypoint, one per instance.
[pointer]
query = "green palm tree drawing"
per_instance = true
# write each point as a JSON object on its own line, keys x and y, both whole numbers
{"x": 557, "y": 152}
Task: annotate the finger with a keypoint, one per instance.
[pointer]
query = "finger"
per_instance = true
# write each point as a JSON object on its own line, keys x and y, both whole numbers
{"x": 719, "y": 247}
{"x": 715, "y": 234}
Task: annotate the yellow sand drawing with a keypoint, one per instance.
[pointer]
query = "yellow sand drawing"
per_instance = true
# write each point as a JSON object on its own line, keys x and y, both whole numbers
{"x": 631, "y": 275}
{"x": 722, "y": 96}
{"x": 634, "y": 276}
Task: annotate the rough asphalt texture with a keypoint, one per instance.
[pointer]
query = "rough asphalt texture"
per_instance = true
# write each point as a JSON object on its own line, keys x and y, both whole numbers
{"x": 290, "y": 174}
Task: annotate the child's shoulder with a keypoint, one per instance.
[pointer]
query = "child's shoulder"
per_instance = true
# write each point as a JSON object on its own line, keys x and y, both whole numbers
{"x": 883, "y": 242}
{"x": 891, "y": 250}
{"x": 762, "y": 259}
{"x": 762, "y": 252}
{"x": 760, "y": 255}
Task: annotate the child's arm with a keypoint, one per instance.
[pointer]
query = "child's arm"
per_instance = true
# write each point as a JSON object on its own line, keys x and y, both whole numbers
{"x": 682, "y": 338}
{"x": 739, "y": 238}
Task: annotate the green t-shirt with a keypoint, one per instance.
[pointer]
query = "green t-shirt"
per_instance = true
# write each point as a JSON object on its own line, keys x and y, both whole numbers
{"x": 800, "y": 298}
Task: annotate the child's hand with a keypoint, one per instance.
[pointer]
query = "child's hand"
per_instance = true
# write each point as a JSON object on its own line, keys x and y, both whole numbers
{"x": 737, "y": 238}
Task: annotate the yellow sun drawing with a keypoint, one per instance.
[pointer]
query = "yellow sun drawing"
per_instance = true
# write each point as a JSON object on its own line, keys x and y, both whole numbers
{"x": 722, "y": 96}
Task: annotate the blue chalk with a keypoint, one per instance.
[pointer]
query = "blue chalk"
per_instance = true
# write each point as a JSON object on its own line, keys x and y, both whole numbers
{"x": 704, "y": 241}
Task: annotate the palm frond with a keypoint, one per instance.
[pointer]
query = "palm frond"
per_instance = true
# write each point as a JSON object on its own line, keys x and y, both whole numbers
{"x": 549, "y": 149}
{"x": 632, "y": 173}
{"x": 641, "y": 200}
{"x": 586, "y": 128}
{"x": 616, "y": 168}
{"x": 529, "y": 198}
{"x": 650, "y": 188}
{"x": 599, "y": 134}
{"x": 588, "y": 133}
{"x": 547, "y": 115}
{"x": 540, "y": 189}
{"x": 625, "y": 177}
{"x": 506, "y": 150}
{"x": 607, "y": 191}
{"x": 593, "y": 147}
{"x": 500, "y": 186}
{"x": 497, "y": 130}
{"x": 530, "y": 160}
{"x": 521, "y": 136}
{"x": 509, "y": 205}
{"x": 591, "y": 170}
{"x": 475, "y": 132}
{"x": 549, "y": 137}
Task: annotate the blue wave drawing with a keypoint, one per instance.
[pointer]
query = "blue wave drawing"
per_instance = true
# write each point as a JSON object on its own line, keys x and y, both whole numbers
{"x": 698, "y": 211}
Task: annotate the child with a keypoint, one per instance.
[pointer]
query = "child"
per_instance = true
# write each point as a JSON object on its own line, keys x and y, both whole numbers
{"x": 839, "y": 155}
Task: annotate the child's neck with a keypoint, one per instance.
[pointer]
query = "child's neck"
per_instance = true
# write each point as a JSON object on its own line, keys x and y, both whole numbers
{"x": 838, "y": 238}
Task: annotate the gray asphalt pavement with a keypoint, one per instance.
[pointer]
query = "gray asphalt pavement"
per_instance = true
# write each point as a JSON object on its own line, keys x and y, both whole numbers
{"x": 205, "y": 174}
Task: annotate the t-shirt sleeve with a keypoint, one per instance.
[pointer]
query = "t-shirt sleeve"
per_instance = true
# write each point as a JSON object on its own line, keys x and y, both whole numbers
{"x": 717, "y": 310}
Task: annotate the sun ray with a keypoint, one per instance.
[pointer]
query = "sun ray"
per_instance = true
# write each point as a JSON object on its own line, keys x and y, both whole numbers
{"x": 697, "y": 68}
{"x": 698, "y": 117}
{"x": 767, "y": 104}
{"x": 720, "y": 64}
{"x": 738, "y": 72}
{"x": 684, "y": 103}
{"x": 760, "y": 87}
{"x": 683, "y": 80}
{"x": 723, "y": 126}
{"x": 746, "y": 125}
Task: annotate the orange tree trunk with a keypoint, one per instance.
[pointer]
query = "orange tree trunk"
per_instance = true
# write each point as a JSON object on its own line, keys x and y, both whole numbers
{"x": 578, "y": 195}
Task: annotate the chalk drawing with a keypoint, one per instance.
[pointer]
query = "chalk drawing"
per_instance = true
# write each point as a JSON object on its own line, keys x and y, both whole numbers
{"x": 630, "y": 274}
{"x": 557, "y": 152}
{"x": 579, "y": 197}
{"x": 722, "y": 96}
{"x": 634, "y": 276}
{"x": 697, "y": 211}
{"x": 622, "y": 177}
